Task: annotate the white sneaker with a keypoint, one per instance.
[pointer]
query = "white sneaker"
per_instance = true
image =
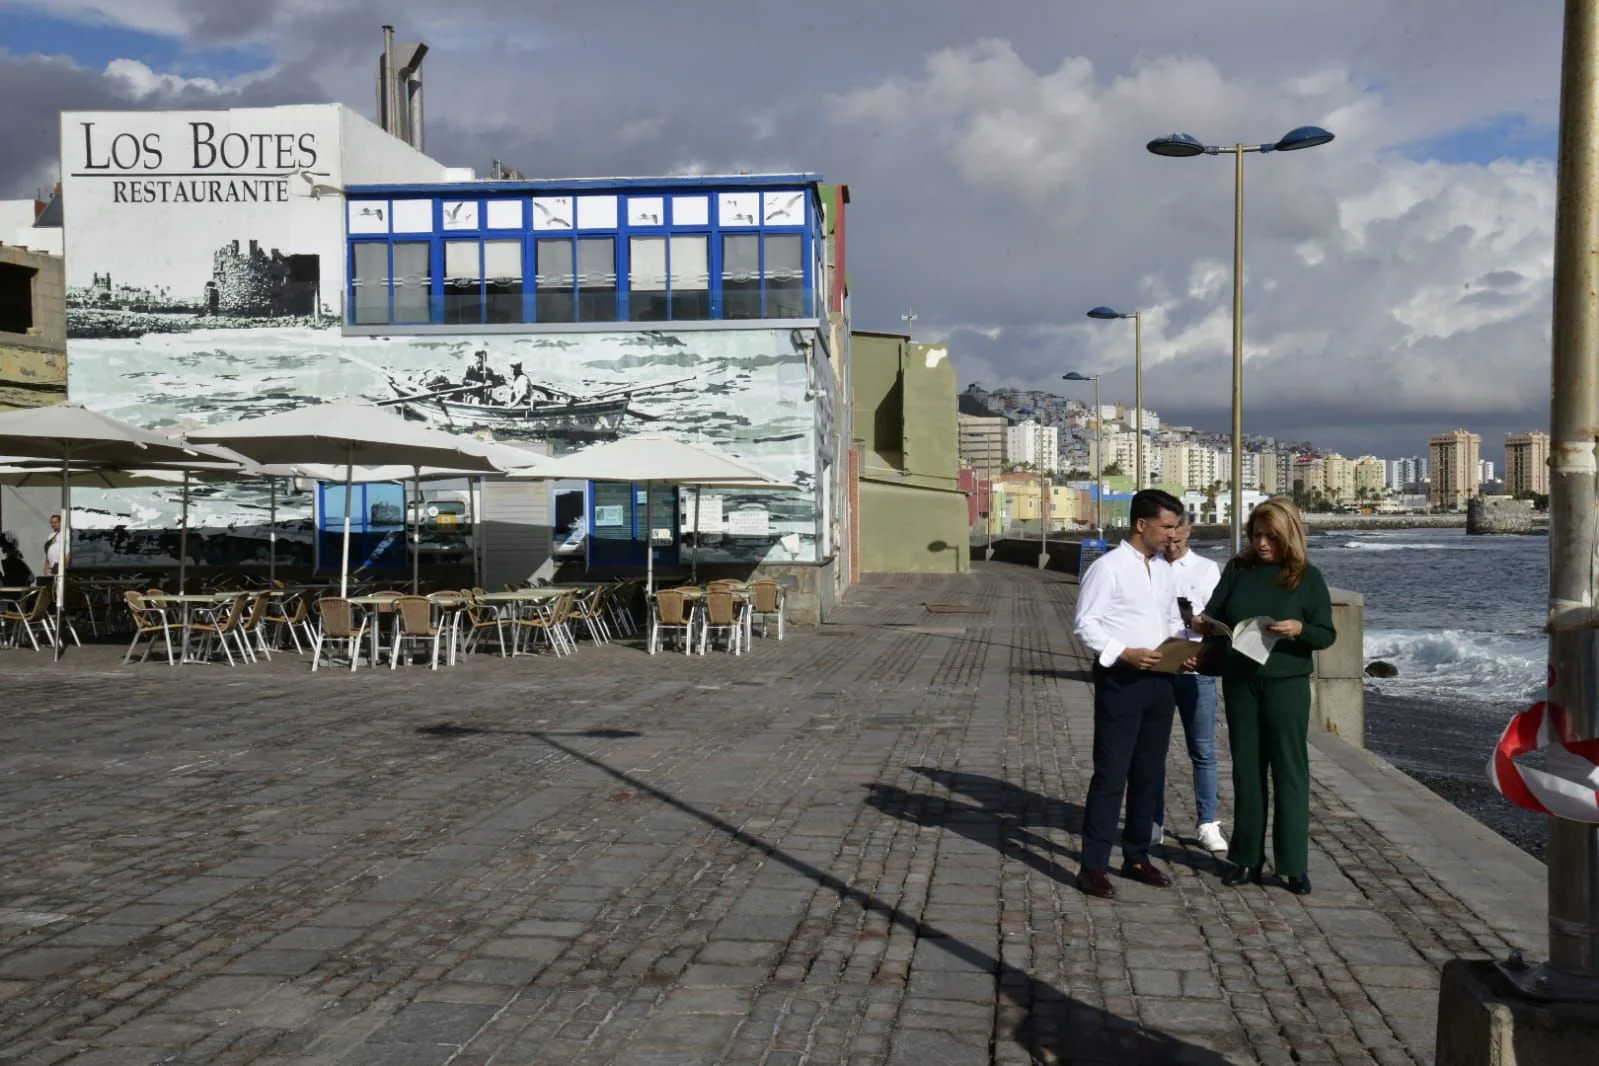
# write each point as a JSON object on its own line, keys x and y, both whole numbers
{"x": 1210, "y": 837}
{"x": 1158, "y": 835}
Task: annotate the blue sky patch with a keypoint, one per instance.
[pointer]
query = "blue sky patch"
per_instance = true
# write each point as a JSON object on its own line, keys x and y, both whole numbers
{"x": 93, "y": 45}
{"x": 1505, "y": 137}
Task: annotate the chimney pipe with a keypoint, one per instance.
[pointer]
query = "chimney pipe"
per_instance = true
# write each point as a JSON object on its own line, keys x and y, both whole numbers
{"x": 387, "y": 109}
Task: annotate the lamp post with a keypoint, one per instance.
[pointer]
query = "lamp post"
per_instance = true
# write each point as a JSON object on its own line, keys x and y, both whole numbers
{"x": 1183, "y": 145}
{"x": 1043, "y": 489}
{"x": 1099, "y": 452}
{"x": 1138, "y": 386}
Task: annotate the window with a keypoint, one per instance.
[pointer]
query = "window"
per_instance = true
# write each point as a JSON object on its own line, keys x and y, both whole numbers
{"x": 463, "y": 282}
{"x": 502, "y": 280}
{"x": 413, "y": 281}
{"x": 587, "y": 294}
{"x": 741, "y": 277}
{"x": 668, "y": 278}
{"x": 555, "y": 282}
{"x": 370, "y": 269}
{"x": 596, "y": 279}
{"x": 16, "y": 298}
{"x": 774, "y": 288}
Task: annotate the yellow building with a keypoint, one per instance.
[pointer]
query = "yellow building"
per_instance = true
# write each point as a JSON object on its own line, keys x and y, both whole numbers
{"x": 1371, "y": 477}
{"x": 1527, "y": 463}
{"x": 1338, "y": 478}
{"x": 1455, "y": 468}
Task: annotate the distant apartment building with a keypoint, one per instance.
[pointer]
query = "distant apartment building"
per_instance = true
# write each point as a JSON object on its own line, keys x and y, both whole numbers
{"x": 1527, "y": 463}
{"x": 1174, "y": 464}
{"x": 1455, "y": 468}
{"x": 1485, "y": 471}
{"x": 1270, "y": 483}
{"x": 1405, "y": 474}
{"x": 1309, "y": 475}
{"x": 1252, "y": 464}
{"x": 1371, "y": 477}
{"x": 1031, "y": 444}
{"x": 1285, "y": 472}
{"x": 982, "y": 444}
{"x": 1338, "y": 478}
{"x": 1207, "y": 467}
{"x": 1121, "y": 448}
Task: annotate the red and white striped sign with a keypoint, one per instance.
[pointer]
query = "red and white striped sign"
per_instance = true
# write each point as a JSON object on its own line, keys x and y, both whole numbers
{"x": 1569, "y": 788}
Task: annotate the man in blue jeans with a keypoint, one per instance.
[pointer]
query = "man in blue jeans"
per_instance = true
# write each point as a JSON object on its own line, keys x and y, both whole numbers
{"x": 1196, "y": 579}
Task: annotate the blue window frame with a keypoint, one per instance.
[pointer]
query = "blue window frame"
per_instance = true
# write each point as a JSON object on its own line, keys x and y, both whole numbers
{"x": 617, "y": 517}
{"x": 485, "y": 264}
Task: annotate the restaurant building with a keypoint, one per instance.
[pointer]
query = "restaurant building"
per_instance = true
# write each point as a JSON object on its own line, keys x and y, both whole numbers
{"x": 226, "y": 264}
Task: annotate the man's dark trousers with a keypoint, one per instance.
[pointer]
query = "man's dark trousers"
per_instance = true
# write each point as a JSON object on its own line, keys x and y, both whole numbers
{"x": 1133, "y": 712}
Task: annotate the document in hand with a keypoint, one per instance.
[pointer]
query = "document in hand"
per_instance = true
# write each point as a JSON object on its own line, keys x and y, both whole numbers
{"x": 1251, "y": 638}
{"x": 1174, "y": 653}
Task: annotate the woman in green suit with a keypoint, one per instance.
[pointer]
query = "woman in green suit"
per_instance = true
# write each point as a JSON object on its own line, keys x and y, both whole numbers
{"x": 1268, "y": 704}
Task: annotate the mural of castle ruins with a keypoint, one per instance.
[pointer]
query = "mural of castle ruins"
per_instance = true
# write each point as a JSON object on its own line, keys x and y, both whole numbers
{"x": 249, "y": 286}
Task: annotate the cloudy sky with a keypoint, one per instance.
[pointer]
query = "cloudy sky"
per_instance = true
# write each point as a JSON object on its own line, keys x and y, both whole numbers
{"x": 1397, "y": 279}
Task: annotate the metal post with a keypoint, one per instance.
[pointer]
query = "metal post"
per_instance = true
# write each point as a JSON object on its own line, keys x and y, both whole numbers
{"x": 1043, "y": 501}
{"x": 272, "y": 534}
{"x": 1138, "y": 399}
{"x": 1099, "y": 465}
{"x": 1238, "y": 349}
{"x": 1574, "y": 414}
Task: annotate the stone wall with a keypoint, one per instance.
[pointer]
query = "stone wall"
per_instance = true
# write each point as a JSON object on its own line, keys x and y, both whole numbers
{"x": 33, "y": 365}
{"x": 1498, "y": 514}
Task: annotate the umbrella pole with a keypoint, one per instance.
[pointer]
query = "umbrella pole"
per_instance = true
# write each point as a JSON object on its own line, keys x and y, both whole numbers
{"x": 471, "y": 521}
{"x": 272, "y": 531}
{"x": 416, "y": 527}
{"x": 183, "y": 541}
{"x": 344, "y": 564}
{"x": 694, "y": 553}
{"x": 66, "y": 548}
{"x": 649, "y": 539}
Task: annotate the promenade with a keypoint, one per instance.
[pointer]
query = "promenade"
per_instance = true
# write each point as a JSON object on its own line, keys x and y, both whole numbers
{"x": 855, "y": 846}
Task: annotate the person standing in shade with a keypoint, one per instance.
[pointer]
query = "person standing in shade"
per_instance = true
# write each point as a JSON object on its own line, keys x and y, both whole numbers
{"x": 56, "y": 548}
{"x": 1268, "y": 704}
{"x": 1126, "y": 608}
{"x": 1196, "y": 578}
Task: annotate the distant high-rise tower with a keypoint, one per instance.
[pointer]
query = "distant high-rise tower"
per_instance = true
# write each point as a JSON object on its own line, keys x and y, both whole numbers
{"x": 1527, "y": 463}
{"x": 1455, "y": 468}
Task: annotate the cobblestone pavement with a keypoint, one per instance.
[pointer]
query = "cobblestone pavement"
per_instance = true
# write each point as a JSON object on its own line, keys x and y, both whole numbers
{"x": 855, "y": 846}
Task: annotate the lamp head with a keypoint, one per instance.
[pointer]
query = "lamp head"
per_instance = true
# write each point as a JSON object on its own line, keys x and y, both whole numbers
{"x": 1075, "y": 376}
{"x": 1105, "y": 312}
{"x": 1302, "y": 137}
{"x": 1177, "y": 145}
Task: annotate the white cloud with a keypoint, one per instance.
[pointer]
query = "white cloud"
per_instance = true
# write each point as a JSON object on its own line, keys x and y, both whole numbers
{"x": 137, "y": 81}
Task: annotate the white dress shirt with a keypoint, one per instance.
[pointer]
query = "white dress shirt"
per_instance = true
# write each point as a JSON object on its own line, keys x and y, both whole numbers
{"x": 1197, "y": 577}
{"x": 1125, "y": 602}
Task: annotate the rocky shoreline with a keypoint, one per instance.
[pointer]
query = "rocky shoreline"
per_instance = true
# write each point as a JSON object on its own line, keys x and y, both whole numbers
{"x": 115, "y": 324}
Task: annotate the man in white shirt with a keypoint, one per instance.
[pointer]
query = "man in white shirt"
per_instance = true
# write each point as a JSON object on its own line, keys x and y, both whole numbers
{"x": 1126, "y": 608}
{"x": 56, "y": 547}
{"x": 1196, "y": 578}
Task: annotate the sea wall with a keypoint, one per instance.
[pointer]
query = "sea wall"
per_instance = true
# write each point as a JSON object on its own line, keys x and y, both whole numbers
{"x": 1384, "y": 521}
{"x": 1499, "y": 514}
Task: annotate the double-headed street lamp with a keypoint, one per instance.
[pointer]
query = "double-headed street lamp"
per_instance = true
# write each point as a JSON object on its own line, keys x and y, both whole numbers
{"x": 1182, "y": 145}
{"x": 1099, "y": 449}
{"x": 1138, "y": 386}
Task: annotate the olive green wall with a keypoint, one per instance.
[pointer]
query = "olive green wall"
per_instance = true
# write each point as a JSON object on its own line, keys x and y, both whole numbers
{"x": 907, "y": 529}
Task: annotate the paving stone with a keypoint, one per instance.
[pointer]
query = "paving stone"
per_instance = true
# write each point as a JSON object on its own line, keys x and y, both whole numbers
{"x": 433, "y": 1023}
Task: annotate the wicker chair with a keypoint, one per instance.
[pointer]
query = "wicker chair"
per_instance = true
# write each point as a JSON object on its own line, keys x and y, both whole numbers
{"x": 722, "y": 615}
{"x": 338, "y": 623}
{"x": 148, "y": 620}
{"x": 415, "y": 615}
{"x": 482, "y": 617}
{"x": 294, "y": 616}
{"x": 36, "y": 613}
{"x": 589, "y": 609}
{"x": 250, "y": 630}
{"x": 766, "y": 603}
{"x": 549, "y": 619}
{"x": 224, "y": 624}
{"x": 671, "y": 613}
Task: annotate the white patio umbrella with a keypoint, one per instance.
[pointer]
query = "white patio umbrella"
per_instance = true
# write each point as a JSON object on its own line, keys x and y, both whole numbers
{"x": 658, "y": 460}
{"x": 68, "y": 433}
{"x": 357, "y": 433}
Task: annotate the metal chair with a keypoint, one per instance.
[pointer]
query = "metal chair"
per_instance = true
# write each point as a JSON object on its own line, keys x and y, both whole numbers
{"x": 415, "y": 617}
{"x": 671, "y": 613}
{"x": 148, "y": 620}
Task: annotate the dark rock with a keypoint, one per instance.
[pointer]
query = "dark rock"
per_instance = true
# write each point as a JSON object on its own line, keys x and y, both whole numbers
{"x": 1380, "y": 668}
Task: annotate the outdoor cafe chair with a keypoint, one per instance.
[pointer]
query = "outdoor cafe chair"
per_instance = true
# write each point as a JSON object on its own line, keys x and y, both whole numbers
{"x": 480, "y": 618}
{"x": 35, "y": 614}
{"x": 148, "y": 620}
{"x": 292, "y": 615}
{"x": 619, "y": 602}
{"x": 766, "y": 603}
{"x": 589, "y": 609}
{"x": 224, "y": 622}
{"x": 549, "y": 619}
{"x": 722, "y": 614}
{"x": 415, "y": 619}
{"x": 338, "y": 623}
{"x": 250, "y": 629}
{"x": 671, "y": 613}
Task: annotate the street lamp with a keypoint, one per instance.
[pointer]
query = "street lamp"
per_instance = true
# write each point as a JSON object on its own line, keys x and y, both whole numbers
{"x": 1181, "y": 146}
{"x": 1044, "y": 489}
{"x": 1138, "y": 386}
{"x": 1099, "y": 451}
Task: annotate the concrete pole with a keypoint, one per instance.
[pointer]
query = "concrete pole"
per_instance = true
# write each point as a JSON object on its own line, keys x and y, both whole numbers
{"x": 1238, "y": 349}
{"x": 1099, "y": 465}
{"x": 1573, "y": 539}
{"x": 1043, "y": 500}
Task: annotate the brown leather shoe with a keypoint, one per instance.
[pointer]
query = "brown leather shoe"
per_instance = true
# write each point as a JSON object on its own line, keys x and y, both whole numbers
{"x": 1146, "y": 874}
{"x": 1095, "y": 883}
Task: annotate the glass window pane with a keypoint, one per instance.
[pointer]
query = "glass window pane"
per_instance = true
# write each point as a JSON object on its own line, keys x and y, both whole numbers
{"x": 646, "y": 279}
{"x": 785, "y": 276}
{"x": 463, "y": 282}
{"x": 596, "y": 279}
{"x": 502, "y": 280}
{"x": 555, "y": 282}
{"x": 413, "y": 281}
{"x": 370, "y": 303}
{"x": 741, "y": 277}
{"x": 691, "y": 278}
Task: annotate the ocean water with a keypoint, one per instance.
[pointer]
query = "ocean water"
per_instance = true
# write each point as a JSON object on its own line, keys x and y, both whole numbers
{"x": 1462, "y": 620}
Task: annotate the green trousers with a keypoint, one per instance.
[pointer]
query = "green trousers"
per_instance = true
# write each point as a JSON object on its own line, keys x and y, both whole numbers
{"x": 1266, "y": 725}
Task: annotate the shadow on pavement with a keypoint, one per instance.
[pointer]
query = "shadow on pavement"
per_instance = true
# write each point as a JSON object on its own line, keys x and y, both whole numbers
{"x": 1056, "y": 1028}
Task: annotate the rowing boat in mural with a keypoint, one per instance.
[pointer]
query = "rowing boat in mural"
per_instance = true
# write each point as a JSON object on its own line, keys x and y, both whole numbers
{"x": 512, "y": 406}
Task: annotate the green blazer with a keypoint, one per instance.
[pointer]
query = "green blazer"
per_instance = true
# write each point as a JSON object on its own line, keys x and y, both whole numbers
{"x": 1247, "y": 591}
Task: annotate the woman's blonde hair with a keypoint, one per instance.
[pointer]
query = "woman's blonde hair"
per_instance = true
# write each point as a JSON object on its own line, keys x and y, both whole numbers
{"x": 1278, "y": 519}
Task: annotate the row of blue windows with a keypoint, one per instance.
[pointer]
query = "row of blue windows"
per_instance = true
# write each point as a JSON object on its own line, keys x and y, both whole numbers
{"x": 472, "y": 280}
